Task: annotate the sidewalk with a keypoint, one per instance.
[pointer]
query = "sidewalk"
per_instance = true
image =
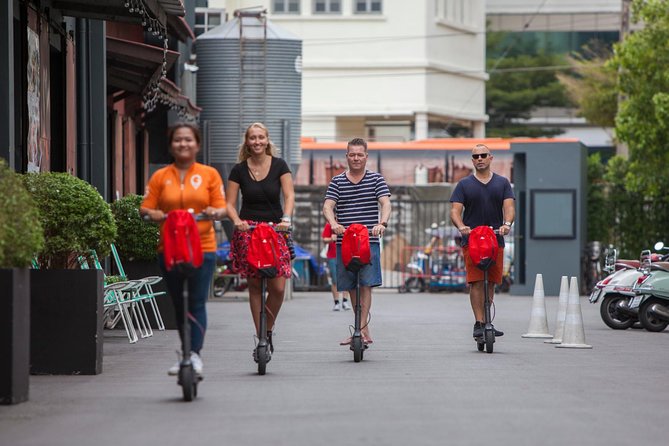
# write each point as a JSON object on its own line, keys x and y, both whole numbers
{"x": 422, "y": 382}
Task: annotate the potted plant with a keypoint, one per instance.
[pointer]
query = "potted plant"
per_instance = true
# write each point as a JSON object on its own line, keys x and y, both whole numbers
{"x": 67, "y": 303}
{"x": 136, "y": 242}
{"x": 21, "y": 237}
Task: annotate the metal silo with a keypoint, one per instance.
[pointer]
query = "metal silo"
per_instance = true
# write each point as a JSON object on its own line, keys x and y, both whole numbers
{"x": 249, "y": 70}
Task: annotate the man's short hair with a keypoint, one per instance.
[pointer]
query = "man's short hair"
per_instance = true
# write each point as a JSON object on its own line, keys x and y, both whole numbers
{"x": 357, "y": 142}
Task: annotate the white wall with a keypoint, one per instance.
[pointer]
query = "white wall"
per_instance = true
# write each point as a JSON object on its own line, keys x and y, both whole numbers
{"x": 386, "y": 67}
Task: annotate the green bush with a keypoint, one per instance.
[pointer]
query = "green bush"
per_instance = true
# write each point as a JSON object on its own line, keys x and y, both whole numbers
{"x": 74, "y": 216}
{"x": 137, "y": 239}
{"x": 21, "y": 235}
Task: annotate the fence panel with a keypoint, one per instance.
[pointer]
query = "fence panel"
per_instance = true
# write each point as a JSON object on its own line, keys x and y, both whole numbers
{"x": 415, "y": 211}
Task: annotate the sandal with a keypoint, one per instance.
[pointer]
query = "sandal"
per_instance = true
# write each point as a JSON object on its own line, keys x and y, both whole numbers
{"x": 346, "y": 341}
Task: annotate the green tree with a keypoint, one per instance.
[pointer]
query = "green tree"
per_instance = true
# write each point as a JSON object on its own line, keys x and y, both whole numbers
{"x": 520, "y": 82}
{"x": 591, "y": 85}
{"x": 642, "y": 121}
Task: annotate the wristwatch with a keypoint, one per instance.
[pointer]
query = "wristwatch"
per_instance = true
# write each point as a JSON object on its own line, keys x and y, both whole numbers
{"x": 384, "y": 224}
{"x": 507, "y": 223}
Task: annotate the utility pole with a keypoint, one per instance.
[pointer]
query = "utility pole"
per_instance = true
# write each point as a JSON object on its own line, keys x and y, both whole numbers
{"x": 621, "y": 148}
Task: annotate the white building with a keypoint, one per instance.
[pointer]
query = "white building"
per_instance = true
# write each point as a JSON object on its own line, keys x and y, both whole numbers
{"x": 386, "y": 69}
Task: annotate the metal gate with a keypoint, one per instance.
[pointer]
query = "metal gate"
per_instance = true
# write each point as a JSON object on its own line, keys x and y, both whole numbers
{"x": 417, "y": 213}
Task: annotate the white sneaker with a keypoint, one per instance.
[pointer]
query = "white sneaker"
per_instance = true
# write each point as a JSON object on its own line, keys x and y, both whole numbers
{"x": 197, "y": 363}
{"x": 346, "y": 305}
{"x": 337, "y": 307}
{"x": 174, "y": 370}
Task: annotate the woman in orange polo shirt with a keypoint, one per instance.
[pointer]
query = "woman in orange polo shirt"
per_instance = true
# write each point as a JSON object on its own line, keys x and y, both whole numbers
{"x": 187, "y": 184}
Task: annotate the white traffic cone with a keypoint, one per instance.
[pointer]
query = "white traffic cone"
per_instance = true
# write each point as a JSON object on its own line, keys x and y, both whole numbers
{"x": 538, "y": 321}
{"x": 573, "y": 336}
{"x": 561, "y": 312}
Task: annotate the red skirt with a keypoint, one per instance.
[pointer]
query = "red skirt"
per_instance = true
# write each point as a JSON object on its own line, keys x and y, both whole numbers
{"x": 239, "y": 248}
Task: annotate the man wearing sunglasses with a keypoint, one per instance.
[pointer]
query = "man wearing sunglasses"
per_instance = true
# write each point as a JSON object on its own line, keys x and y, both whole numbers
{"x": 482, "y": 199}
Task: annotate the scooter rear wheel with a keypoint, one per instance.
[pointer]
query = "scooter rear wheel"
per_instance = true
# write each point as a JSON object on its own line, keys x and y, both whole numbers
{"x": 649, "y": 321}
{"x": 613, "y": 317}
{"x": 480, "y": 345}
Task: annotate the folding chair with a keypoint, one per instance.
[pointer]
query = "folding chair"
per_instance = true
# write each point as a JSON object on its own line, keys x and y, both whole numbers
{"x": 146, "y": 293}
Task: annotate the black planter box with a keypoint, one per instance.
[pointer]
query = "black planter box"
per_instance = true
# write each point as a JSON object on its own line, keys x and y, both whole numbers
{"x": 140, "y": 269}
{"x": 14, "y": 335}
{"x": 66, "y": 322}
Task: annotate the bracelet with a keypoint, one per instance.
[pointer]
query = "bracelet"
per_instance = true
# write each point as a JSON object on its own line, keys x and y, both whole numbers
{"x": 286, "y": 219}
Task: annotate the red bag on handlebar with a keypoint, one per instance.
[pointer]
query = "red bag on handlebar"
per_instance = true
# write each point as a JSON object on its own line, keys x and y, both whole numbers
{"x": 181, "y": 242}
{"x": 355, "y": 252}
{"x": 483, "y": 247}
{"x": 264, "y": 254}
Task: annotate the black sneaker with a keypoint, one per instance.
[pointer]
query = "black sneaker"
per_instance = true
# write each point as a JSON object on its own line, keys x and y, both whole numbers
{"x": 478, "y": 329}
{"x": 498, "y": 333}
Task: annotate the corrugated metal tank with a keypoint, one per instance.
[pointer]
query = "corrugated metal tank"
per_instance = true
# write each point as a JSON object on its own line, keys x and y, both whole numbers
{"x": 232, "y": 94}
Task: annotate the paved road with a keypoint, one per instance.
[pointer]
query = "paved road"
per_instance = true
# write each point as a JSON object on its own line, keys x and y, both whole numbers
{"x": 422, "y": 383}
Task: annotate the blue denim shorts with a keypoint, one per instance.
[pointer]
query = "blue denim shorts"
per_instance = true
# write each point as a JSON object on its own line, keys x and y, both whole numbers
{"x": 370, "y": 275}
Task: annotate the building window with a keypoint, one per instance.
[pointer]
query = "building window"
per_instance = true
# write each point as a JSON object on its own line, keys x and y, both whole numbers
{"x": 457, "y": 11}
{"x": 327, "y": 7}
{"x": 207, "y": 18}
{"x": 368, "y": 7}
{"x": 286, "y": 6}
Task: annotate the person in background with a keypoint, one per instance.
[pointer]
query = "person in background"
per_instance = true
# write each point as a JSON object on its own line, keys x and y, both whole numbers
{"x": 331, "y": 238}
{"x": 187, "y": 184}
{"x": 262, "y": 178}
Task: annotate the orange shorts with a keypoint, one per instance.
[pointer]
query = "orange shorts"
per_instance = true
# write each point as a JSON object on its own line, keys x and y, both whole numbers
{"x": 474, "y": 274}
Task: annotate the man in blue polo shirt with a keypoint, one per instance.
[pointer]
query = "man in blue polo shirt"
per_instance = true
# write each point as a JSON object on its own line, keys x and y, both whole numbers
{"x": 358, "y": 196}
{"x": 482, "y": 199}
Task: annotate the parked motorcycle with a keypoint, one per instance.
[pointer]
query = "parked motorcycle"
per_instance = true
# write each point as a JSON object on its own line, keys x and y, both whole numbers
{"x": 652, "y": 292}
{"x": 616, "y": 290}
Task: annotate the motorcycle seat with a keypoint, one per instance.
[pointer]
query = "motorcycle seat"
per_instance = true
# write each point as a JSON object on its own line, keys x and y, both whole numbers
{"x": 662, "y": 266}
{"x": 622, "y": 264}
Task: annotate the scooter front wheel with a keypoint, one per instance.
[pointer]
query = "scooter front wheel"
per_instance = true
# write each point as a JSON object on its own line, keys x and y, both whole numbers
{"x": 188, "y": 383}
{"x": 358, "y": 348}
{"x": 489, "y": 340}
{"x": 262, "y": 353}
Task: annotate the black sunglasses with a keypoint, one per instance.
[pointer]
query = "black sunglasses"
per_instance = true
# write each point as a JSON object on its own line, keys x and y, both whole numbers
{"x": 480, "y": 155}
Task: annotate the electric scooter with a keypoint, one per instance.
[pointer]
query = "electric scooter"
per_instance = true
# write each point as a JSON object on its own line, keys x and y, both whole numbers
{"x": 264, "y": 349}
{"x": 357, "y": 344}
{"x": 488, "y": 338}
{"x": 187, "y": 378}
{"x": 486, "y": 341}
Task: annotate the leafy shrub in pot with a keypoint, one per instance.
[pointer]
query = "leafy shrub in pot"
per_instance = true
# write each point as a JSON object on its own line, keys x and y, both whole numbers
{"x": 137, "y": 239}
{"x": 74, "y": 216}
{"x": 21, "y": 234}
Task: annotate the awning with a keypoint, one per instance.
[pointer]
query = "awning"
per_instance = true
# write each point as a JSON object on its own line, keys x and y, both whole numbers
{"x": 132, "y": 66}
{"x": 179, "y": 27}
{"x": 170, "y": 95}
{"x": 116, "y": 11}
